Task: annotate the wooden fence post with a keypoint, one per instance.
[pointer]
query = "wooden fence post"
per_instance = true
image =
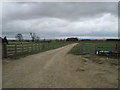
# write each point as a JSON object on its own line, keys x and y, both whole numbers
{"x": 39, "y": 46}
{"x": 32, "y": 46}
{"x": 36, "y": 46}
{"x": 43, "y": 46}
{"x": 22, "y": 48}
{"x": 15, "y": 49}
{"x": 116, "y": 47}
{"x": 4, "y": 50}
{"x": 94, "y": 49}
{"x": 28, "y": 48}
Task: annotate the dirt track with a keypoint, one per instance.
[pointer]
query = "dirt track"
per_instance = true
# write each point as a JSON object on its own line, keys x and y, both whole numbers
{"x": 57, "y": 69}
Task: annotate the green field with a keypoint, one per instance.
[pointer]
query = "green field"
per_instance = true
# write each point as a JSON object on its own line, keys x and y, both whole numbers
{"x": 89, "y": 47}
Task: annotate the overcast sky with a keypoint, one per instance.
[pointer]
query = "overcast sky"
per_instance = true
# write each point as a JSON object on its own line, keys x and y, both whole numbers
{"x": 61, "y": 20}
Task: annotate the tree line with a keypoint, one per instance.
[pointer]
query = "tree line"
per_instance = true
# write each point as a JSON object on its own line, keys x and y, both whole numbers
{"x": 34, "y": 37}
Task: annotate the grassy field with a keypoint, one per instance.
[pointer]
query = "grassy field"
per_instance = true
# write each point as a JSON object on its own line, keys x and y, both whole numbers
{"x": 91, "y": 46}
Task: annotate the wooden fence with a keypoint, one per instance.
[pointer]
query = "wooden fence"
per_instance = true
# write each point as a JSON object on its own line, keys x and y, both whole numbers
{"x": 16, "y": 49}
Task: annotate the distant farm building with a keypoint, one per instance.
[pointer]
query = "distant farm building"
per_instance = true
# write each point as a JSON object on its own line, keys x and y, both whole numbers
{"x": 112, "y": 39}
{"x": 72, "y": 39}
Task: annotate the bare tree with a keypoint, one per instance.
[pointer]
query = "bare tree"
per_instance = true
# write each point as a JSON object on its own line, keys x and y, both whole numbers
{"x": 19, "y": 37}
{"x": 37, "y": 38}
{"x": 33, "y": 36}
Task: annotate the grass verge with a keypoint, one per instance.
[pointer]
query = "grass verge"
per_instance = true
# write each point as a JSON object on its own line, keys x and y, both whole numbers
{"x": 76, "y": 50}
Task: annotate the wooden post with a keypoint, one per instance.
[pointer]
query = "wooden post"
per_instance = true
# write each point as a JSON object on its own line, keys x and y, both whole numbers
{"x": 93, "y": 49}
{"x": 4, "y": 50}
{"x": 43, "y": 46}
{"x": 116, "y": 47}
{"x": 39, "y": 46}
{"x": 27, "y": 47}
{"x": 15, "y": 49}
{"x": 32, "y": 46}
{"x": 36, "y": 46}
{"x": 22, "y": 48}
{"x": 117, "y": 50}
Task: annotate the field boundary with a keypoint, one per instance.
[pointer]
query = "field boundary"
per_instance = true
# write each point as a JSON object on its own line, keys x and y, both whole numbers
{"x": 91, "y": 48}
{"x": 21, "y": 50}
{"x": 17, "y": 49}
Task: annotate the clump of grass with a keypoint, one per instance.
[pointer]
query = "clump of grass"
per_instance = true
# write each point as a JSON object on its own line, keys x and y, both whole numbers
{"x": 113, "y": 63}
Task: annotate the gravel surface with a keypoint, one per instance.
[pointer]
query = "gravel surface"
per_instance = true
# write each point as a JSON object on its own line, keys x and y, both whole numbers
{"x": 57, "y": 69}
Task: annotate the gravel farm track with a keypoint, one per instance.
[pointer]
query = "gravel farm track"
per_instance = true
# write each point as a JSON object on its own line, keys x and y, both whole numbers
{"x": 58, "y": 69}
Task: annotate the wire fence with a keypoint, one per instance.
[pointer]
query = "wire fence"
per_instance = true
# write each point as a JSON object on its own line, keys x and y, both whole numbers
{"x": 90, "y": 48}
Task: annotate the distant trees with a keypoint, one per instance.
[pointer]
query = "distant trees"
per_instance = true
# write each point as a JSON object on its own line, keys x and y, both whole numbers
{"x": 19, "y": 37}
{"x": 34, "y": 37}
{"x": 37, "y": 38}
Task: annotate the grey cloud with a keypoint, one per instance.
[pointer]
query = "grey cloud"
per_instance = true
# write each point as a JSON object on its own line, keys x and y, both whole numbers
{"x": 58, "y": 10}
{"x": 60, "y": 19}
{"x": 48, "y": 27}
